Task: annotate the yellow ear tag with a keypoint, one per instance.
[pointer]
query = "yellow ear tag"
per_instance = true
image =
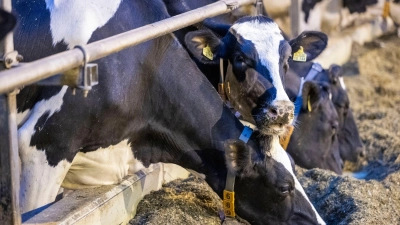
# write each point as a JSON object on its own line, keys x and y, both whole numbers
{"x": 228, "y": 203}
{"x": 300, "y": 55}
{"x": 208, "y": 53}
{"x": 309, "y": 104}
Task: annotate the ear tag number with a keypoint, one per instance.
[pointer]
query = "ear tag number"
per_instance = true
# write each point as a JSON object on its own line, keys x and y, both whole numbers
{"x": 309, "y": 104}
{"x": 228, "y": 203}
{"x": 208, "y": 53}
{"x": 299, "y": 56}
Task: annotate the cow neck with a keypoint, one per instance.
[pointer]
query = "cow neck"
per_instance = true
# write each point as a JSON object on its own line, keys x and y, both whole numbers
{"x": 228, "y": 199}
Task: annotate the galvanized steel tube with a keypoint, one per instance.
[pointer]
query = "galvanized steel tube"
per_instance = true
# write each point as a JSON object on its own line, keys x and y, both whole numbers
{"x": 43, "y": 68}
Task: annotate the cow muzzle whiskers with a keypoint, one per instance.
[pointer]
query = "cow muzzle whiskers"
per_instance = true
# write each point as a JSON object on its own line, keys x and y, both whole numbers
{"x": 275, "y": 118}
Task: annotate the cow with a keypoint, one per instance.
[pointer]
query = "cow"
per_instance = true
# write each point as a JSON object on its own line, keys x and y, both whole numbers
{"x": 350, "y": 144}
{"x": 152, "y": 99}
{"x": 327, "y": 152}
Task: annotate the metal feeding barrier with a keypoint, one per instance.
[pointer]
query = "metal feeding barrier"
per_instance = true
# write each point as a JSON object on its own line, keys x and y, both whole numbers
{"x": 70, "y": 68}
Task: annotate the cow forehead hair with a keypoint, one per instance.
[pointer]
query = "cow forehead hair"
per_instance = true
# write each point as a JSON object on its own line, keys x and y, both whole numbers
{"x": 264, "y": 35}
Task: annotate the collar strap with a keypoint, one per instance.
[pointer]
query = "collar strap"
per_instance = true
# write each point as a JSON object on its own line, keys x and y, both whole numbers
{"x": 228, "y": 201}
{"x": 315, "y": 69}
{"x": 221, "y": 88}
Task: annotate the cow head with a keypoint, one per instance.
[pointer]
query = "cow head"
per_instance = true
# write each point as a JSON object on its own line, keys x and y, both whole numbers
{"x": 257, "y": 54}
{"x": 266, "y": 190}
{"x": 319, "y": 120}
{"x": 350, "y": 144}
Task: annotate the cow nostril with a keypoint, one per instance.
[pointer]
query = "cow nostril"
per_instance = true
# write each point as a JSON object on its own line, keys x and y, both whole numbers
{"x": 273, "y": 111}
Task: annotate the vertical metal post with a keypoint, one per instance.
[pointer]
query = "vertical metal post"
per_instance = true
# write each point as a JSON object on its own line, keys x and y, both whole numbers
{"x": 259, "y": 7}
{"x": 294, "y": 13}
{"x": 9, "y": 159}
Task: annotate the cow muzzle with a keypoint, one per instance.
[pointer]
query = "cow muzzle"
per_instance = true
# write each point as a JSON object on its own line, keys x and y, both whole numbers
{"x": 276, "y": 118}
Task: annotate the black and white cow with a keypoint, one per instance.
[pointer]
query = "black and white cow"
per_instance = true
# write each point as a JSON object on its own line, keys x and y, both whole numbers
{"x": 316, "y": 115}
{"x": 326, "y": 15}
{"x": 350, "y": 144}
{"x": 153, "y": 102}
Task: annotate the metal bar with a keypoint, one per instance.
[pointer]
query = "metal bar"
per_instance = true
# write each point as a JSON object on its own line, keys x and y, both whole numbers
{"x": 9, "y": 159}
{"x": 9, "y": 162}
{"x": 295, "y": 20}
{"x": 34, "y": 71}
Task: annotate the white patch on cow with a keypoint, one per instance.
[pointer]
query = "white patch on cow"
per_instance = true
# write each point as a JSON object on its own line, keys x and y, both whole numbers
{"x": 266, "y": 38}
{"x": 39, "y": 181}
{"x": 341, "y": 81}
{"x": 74, "y": 21}
{"x": 104, "y": 166}
{"x": 23, "y": 116}
{"x": 279, "y": 155}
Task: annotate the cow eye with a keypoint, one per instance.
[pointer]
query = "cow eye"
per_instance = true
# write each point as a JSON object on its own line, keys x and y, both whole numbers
{"x": 284, "y": 189}
{"x": 239, "y": 59}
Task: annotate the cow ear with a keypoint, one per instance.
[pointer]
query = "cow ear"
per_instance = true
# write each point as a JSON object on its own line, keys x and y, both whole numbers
{"x": 312, "y": 42}
{"x": 7, "y": 23}
{"x": 335, "y": 72}
{"x": 204, "y": 46}
{"x": 310, "y": 95}
{"x": 237, "y": 155}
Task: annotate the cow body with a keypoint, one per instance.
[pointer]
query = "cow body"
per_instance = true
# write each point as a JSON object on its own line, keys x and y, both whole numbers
{"x": 350, "y": 144}
{"x": 146, "y": 103}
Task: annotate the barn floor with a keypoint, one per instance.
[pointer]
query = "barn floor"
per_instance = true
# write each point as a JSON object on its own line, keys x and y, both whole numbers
{"x": 373, "y": 83}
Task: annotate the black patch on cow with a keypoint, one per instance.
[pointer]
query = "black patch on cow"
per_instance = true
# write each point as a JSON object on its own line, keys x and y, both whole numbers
{"x": 34, "y": 23}
{"x": 7, "y": 23}
{"x": 261, "y": 19}
{"x": 358, "y": 5}
{"x": 307, "y": 6}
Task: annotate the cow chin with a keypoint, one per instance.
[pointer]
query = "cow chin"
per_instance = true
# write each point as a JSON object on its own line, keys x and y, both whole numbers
{"x": 273, "y": 130}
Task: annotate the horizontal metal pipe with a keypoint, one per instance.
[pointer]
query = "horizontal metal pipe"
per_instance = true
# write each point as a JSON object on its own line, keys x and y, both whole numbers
{"x": 43, "y": 68}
